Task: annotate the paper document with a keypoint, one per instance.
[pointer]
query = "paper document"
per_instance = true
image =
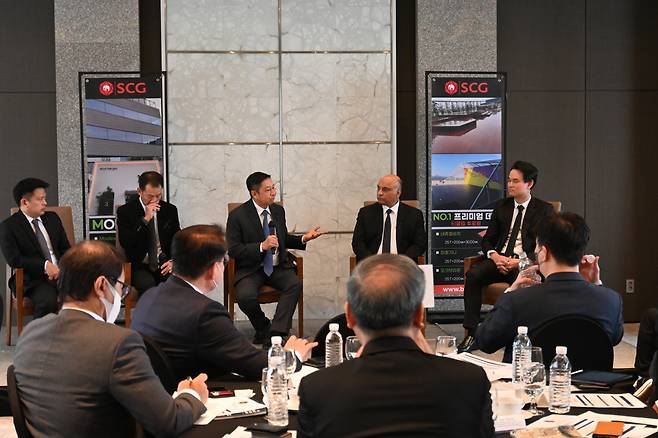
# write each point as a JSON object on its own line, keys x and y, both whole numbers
{"x": 428, "y": 296}
{"x": 509, "y": 422}
{"x": 594, "y": 400}
{"x": 495, "y": 370}
{"x": 230, "y": 407}
{"x": 242, "y": 432}
{"x": 634, "y": 427}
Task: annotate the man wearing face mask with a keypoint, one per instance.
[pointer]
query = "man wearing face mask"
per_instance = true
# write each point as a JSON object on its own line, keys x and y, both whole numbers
{"x": 572, "y": 287}
{"x": 95, "y": 371}
{"x": 194, "y": 331}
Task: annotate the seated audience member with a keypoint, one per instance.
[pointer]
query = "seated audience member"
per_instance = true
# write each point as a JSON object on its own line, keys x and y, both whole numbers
{"x": 397, "y": 387}
{"x": 258, "y": 239}
{"x": 561, "y": 243}
{"x": 34, "y": 239}
{"x": 79, "y": 375}
{"x": 647, "y": 343}
{"x": 195, "y": 331}
{"x": 145, "y": 227}
{"x": 389, "y": 226}
{"x": 511, "y": 231}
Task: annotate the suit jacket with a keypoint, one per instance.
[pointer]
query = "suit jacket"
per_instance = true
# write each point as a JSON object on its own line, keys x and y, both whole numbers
{"x": 79, "y": 377}
{"x": 133, "y": 232}
{"x": 21, "y": 249}
{"x": 244, "y": 232}
{"x": 501, "y": 222}
{"x": 411, "y": 237}
{"x": 395, "y": 389}
{"x": 195, "y": 332}
{"x": 563, "y": 293}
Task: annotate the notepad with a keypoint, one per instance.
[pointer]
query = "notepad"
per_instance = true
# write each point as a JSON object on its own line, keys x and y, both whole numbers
{"x": 230, "y": 407}
{"x": 594, "y": 400}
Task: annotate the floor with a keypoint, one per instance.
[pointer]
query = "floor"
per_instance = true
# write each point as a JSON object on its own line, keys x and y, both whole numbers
{"x": 624, "y": 352}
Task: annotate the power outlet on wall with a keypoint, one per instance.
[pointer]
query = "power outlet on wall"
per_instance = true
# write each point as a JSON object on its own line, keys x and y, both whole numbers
{"x": 630, "y": 285}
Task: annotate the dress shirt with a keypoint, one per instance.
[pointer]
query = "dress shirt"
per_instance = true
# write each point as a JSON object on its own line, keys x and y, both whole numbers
{"x": 45, "y": 234}
{"x": 260, "y": 210}
{"x": 518, "y": 245}
{"x": 192, "y": 286}
{"x": 394, "y": 221}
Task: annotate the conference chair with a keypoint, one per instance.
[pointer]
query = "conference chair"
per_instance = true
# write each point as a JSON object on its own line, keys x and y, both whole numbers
{"x": 411, "y": 203}
{"x": 343, "y": 329}
{"x": 16, "y": 405}
{"x": 161, "y": 364}
{"x": 266, "y": 294}
{"x": 492, "y": 292}
{"x": 17, "y": 300}
{"x": 588, "y": 345}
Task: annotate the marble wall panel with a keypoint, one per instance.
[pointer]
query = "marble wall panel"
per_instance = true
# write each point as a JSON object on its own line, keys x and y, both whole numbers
{"x": 336, "y": 97}
{"x": 344, "y": 25}
{"x": 223, "y": 98}
{"x": 222, "y": 25}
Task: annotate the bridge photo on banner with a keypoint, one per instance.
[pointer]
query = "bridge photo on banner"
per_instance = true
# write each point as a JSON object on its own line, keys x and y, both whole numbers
{"x": 465, "y": 123}
{"x": 122, "y": 119}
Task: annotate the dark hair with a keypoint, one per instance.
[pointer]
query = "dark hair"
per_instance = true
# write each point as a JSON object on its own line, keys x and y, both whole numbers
{"x": 194, "y": 249}
{"x": 566, "y": 235}
{"x": 26, "y": 187}
{"x": 151, "y": 177}
{"x": 528, "y": 171}
{"x": 255, "y": 179}
{"x": 385, "y": 291}
{"x": 82, "y": 264}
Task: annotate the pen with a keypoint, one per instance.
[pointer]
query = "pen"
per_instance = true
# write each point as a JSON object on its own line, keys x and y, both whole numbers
{"x": 576, "y": 372}
{"x": 189, "y": 379}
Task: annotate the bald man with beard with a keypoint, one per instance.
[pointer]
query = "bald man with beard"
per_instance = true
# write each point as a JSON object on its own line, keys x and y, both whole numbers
{"x": 389, "y": 226}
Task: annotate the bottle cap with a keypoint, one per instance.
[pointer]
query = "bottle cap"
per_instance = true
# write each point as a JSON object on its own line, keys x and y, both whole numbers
{"x": 523, "y": 255}
{"x": 522, "y": 330}
{"x": 333, "y": 327}
{"x": 276, "y": 340}
{"x": 560, "y": 349}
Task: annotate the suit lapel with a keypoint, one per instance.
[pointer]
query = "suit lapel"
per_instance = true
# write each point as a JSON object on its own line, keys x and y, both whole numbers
{"x": 402, "y": 215}
{"x": 252, "y": 215}
{"x": 378, "y": 211}
{"x": 532, "y": 207}
{"x": 29, "y": 231}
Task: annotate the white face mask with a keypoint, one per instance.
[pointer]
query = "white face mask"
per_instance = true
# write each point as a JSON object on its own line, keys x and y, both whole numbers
{"x": 112, "y": 309}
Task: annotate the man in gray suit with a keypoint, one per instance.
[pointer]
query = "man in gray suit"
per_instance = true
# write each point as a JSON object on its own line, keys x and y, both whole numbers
{"x": 80, "y": 375}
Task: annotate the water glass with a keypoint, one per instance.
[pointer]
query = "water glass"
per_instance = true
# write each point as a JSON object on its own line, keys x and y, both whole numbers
{"x": 446, "y": 345}
{"x": 352, "y": 347}
{"x": 534, "y": 377}
{"x": 263, "y": 384}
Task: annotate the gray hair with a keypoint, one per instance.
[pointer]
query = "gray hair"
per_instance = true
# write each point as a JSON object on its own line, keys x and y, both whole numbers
{"x": 385, "y": 291}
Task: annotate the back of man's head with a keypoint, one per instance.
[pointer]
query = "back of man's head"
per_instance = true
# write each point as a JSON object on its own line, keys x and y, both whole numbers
{"x": 384, "y": 292}
{"x": 566, "y": 235}
{"x": 25, "y": 187}
{"x": 82, "y": 264}
{"x": 194, "y": 249}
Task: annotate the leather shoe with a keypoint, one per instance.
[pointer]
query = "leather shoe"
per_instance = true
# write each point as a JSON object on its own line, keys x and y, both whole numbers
{"x": 466, "y": 344}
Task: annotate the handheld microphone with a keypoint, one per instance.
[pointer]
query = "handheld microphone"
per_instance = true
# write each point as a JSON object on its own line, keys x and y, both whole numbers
{"x": 272, "y": 233}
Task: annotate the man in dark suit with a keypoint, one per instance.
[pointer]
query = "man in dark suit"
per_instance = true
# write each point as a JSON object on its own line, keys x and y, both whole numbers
{"x": 145, "y": 227}
{"x": 258, "y": 239}
{"x": 389, "y": 226}
{"x": 194, "y": 331}
{"x": 79, "y": 375}
{"x": 398, "y": 386}
{"x": 34, "y": 239}
{"x": 511, "y": 231}
{"x": 572, "y": 287}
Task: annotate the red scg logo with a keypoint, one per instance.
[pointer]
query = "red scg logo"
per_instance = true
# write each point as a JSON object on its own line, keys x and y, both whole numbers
{"x": 451, "y": 87}
{"x": 106, "y": 88}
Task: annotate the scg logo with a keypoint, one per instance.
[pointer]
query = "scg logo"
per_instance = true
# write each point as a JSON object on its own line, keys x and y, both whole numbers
{"x": 106, "y": 88}
{"x": 452, "y": 87}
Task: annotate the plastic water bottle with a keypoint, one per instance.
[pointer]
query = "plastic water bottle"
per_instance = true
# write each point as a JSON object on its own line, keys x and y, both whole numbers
{"x": 524, "y": 261}
{"x": 333, "y": 347}
{"x": 560, "y": 382}
{"x": 277, "y": 385}
{"x": 519, "y": 354}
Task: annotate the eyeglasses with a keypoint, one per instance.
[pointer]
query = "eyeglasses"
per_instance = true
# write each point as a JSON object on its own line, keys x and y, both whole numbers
{"x": 125, "y": 288}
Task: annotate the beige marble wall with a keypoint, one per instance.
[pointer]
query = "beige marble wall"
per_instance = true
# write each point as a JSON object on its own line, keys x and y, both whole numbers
{"x": 307, "y": 99}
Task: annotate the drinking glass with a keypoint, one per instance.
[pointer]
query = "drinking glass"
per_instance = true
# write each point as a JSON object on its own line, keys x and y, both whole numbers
{"x": 352, "y": 347}
{"x": 534, "y": 377}
{"x": 263, "y": 383}
{"x": 446, "y": 345}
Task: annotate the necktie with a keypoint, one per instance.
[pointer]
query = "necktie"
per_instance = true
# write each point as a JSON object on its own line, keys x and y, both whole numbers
{"x": 268, "y": 261}
{"x": 41, "y": 239}
{"x": 152, "y": 245}
{"x": 386, "y": 242}
{"x": 515, "y": 232}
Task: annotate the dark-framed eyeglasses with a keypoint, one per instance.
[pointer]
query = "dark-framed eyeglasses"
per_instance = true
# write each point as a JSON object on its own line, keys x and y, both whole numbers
{"x": 125, "y": 288}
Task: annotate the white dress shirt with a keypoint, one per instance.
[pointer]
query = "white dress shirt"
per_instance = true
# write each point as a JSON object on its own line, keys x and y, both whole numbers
{"x": 53, "y": 259}
{"x": 518, "y": 245}
{"x": 394, "y": 221}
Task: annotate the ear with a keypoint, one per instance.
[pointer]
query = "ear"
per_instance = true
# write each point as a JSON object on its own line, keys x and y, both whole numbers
{"x": 99, "y": 286}
{"x": 419, "y": 317}
{"x": 351, "y": 321}
{"x": 531, "y": 184}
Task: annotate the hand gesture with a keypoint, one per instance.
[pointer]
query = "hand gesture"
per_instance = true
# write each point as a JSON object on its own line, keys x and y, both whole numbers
{"x": 197, "y": 384}
{"x": 528, "y": 277}
{"x": 313, "y": 234}
{"x": 166, "y": 267}
{"x": 271, "y": 242}
{"x": 589, "y": 269}
{"x": 301, "y": 346}
{"x": 150, "y": 210}
{"x": 52, "y": 271}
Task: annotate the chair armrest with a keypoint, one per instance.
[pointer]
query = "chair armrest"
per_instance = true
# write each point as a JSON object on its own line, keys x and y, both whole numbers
{"x": 470, "y": 261}
{"x": 298, "y": 262}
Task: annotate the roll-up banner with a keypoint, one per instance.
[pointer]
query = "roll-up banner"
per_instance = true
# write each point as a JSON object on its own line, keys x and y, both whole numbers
{"x": 465, "y": 118}
{"x": 122, "y": 119}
